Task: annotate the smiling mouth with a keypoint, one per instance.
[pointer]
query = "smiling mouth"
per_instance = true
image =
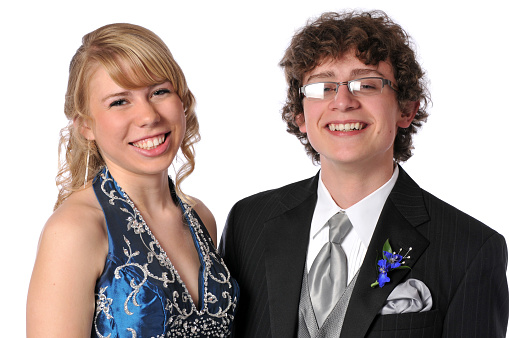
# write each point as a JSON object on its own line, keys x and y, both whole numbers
{"x": 346, "y": 126}
{"x": 151, "y": 142}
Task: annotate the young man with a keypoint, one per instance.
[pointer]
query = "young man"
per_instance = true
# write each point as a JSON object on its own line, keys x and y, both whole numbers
{"x": 356, "y": 95}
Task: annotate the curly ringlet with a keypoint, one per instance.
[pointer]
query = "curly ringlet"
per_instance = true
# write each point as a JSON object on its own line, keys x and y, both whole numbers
{"x": 134, "y": 57}
{"x": 374, "y": 37}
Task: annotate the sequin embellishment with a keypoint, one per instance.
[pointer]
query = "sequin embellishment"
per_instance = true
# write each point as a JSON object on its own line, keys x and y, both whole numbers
{"x": 144, "y": 265}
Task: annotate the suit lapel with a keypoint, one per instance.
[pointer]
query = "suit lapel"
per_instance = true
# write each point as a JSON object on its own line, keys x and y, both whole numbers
{"x": 287, "y": 237}
{"x": 403, "y": 211}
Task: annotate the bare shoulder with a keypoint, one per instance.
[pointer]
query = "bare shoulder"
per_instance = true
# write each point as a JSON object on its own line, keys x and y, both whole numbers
{"x": 79, "y": 218}
{"x": 70, "y": 257}
{"x": 207, "y": 218}
{"x": 75, "y": 231}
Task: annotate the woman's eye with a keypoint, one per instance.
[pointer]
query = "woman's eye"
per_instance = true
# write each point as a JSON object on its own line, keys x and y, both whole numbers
{"x": 161, "y": 92}
{"x": 117, "y": 103}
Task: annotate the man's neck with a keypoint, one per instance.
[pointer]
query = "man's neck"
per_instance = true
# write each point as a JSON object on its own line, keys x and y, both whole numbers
{"x": 350, "y": 184}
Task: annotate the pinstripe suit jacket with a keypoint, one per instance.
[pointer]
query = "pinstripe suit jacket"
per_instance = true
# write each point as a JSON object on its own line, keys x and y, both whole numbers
{"x": 462, "y": 261}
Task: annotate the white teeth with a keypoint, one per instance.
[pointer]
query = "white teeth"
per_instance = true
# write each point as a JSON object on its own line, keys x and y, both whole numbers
{"x": 346, "y": 126}
{"x": 150, "y": 143}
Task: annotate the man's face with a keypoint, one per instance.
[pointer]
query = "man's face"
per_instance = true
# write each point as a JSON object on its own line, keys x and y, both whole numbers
{"x": 348, "y": 129}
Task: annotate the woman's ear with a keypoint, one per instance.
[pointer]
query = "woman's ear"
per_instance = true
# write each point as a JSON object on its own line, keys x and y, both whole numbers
{"x": 82, "y": 125}
{"x": 408, "y": 114}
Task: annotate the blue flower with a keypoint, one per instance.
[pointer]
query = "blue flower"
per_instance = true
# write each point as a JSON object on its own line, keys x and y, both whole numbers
{"x": 390, "y": 261}
{"x": 382, "y": 276}
{"x": 394, "y": 260}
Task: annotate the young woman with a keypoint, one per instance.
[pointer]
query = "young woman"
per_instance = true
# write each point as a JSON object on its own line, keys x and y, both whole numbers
{"x": 126, "y": 253}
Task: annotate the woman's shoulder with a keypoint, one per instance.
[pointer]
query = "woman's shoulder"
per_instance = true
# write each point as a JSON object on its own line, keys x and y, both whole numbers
{"x": 206, "y": 217}
{"x": 78, "y": 218}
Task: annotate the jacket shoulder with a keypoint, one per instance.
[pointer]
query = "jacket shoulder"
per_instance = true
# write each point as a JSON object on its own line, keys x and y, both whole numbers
{"x": 282, "y": 197}
{"x": 439, "y": 209}
{"x": 420, "y": 206}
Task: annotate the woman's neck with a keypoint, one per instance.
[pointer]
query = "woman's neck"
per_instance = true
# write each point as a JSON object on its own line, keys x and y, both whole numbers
{"x": 149, "y": 192}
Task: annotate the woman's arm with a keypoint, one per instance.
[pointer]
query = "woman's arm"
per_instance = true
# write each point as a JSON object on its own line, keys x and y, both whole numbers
{"x": 70, "y": 257}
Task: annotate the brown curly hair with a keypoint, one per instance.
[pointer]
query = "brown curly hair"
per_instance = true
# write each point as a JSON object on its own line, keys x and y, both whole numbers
{"x": 374, "y": 37}
{"x": 149, "y": 62}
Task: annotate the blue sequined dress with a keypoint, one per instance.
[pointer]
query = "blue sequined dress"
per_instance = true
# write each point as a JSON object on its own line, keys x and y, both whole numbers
{"x": 140, "y": 294}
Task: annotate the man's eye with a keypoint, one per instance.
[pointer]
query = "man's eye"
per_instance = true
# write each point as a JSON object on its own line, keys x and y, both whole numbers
{"x": 368, "y": 86}
{"x": 118, "y": 103}
{"x": 329, "y": 87}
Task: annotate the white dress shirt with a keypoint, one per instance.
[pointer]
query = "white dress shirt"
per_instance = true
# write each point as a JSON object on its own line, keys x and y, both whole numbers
{"x": 363, "y": 215}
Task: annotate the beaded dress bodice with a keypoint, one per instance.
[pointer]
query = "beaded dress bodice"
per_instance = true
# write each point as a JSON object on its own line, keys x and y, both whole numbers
{"x": 140, "y": 293}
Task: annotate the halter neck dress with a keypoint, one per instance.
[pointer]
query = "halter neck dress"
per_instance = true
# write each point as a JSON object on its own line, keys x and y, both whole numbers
{"x": 140, "y": 293}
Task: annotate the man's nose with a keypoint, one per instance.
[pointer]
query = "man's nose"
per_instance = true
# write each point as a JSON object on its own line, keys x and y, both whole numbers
{"x": 344, "y": 100}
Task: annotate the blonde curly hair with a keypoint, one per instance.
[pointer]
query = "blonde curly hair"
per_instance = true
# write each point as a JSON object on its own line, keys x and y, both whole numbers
{"x": 149, "y": 62}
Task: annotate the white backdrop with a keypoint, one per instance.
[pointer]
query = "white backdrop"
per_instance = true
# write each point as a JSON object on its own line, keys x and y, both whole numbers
{"x": 229, "y": 52}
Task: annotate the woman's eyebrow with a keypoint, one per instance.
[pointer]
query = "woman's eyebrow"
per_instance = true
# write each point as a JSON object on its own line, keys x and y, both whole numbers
{"x": 124, "y": 93}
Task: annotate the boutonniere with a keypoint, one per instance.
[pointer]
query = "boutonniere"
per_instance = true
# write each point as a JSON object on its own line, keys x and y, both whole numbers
{"x": 390, "y": 261}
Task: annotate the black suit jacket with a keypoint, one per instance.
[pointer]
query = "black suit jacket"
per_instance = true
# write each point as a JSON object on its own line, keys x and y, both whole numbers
{"x": 462, "y": 261}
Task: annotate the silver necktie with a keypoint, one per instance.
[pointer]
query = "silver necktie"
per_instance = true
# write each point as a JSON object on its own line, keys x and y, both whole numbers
{"x": 328, "y": 275}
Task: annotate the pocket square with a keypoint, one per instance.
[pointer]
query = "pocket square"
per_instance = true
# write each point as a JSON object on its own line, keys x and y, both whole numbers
{"x": 410, "y": 296}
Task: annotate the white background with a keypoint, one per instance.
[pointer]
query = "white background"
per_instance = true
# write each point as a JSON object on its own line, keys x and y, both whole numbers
{"x": 229, "y": 52}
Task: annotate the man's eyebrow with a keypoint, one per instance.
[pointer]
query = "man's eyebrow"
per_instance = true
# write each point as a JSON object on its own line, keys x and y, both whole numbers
{"x": 364, "y": 71}
{"x": 355, "y": 73}
{"x": 322, "y": 75}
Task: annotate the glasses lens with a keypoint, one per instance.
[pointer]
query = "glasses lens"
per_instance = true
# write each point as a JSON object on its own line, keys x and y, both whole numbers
{"x": 320, "y": 90}
{"x": 366, "y": 87}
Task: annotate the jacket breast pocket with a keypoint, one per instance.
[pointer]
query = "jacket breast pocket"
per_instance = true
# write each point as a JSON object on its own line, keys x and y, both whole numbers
{"x": 420, "y": 324}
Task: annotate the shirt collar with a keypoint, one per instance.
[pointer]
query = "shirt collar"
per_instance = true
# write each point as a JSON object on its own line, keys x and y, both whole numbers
{"x": 363, "y": 215}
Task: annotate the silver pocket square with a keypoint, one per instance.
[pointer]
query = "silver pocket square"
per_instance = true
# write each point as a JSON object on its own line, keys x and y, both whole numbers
{"x": 410, "y": 296}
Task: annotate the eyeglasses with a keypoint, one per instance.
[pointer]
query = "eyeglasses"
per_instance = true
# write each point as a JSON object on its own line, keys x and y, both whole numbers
{"x": 367, "y": 86}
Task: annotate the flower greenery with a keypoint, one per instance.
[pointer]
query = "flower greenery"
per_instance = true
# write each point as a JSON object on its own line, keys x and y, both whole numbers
{"x": 390, "y": 261}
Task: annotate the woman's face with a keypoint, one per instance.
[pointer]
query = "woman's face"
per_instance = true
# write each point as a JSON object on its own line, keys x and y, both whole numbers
{"x": 137, "y": 130}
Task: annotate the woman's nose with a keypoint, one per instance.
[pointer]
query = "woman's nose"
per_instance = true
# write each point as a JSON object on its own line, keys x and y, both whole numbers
{"x": 147, "y": 114}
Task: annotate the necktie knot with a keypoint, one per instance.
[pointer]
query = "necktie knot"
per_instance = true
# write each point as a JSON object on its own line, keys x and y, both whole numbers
{"x": 339, "y": 226}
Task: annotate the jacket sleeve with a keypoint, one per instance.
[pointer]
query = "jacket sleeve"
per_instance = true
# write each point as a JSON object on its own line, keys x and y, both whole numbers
{"x": 227, "y": 244}
{"x": 480, "y": 306}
